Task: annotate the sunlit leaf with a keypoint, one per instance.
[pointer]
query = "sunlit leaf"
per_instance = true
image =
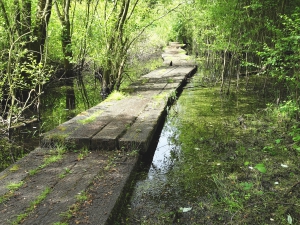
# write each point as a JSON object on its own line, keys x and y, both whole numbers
{"x": 261, "y": 168}
{"x": 290, "y": 219}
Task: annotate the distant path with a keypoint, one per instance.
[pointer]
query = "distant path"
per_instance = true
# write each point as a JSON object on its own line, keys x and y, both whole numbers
{"x": 82, "y": 186}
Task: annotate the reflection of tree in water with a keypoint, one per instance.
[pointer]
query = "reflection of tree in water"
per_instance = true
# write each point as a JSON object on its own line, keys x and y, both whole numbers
{"x": 166, "y": 151}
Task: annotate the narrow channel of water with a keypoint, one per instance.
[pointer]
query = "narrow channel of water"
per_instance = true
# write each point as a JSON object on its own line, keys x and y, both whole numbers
{"x": 162, "y": 160}
{"x": 148, "y": 194}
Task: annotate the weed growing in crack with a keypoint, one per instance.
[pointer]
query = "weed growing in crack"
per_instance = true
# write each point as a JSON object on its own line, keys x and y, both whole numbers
{"x": 74, "y": 208}
{"x": 82, "y": 154}
{"x": 55, "y": 156}
{"x": 64, "y": 173}
{"x": 14, "y": 186}
{"x": 32, "y": 206}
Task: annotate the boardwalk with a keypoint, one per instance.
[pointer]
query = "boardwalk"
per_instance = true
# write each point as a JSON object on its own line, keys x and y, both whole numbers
{"x": 86, "y": 184}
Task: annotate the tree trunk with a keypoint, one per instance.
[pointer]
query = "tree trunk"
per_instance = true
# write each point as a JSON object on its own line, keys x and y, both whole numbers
{"x": 66, "y": 41}
{"x": 39, "y": 31}
{"x": 68, "y": 67}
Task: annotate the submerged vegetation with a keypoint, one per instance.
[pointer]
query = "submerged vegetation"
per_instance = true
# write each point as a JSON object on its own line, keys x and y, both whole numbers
{"x": 233, "y": 159}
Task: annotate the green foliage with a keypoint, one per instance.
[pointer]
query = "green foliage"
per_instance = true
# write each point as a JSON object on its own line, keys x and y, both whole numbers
{"x": 82, "y": 197}
{"x": 64, "y": 173}
{"x": 55, "y": 155}
{"x": 246, "y": 186}
{"x": 227, "y": 169}
{"x": 282, "y": 55}
{"x": 82, "y": 154}
{"x": 261, "y": 168}
{"x": 91, "y": 117}
{"x": 10, "y": 151}
{"x": 115, "y": 95}
{"x": 15, "y": 186}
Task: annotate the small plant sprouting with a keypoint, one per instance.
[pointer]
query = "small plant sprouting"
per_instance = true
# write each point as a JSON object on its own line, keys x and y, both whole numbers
{"x": 34, "y": 171}
{"x": 14, "y": 186}
{"x": 51, "y": 159}
{"x": 32, "y": 206}
{"x": 145, "y": 80}
{"x": 134, "y": 153}
{"x": 115, "y": 95}
{"x": 82, "y": 154}
{"x": 91, "y": 118}
{"x": 14, "y": 168}
{"x": 127, "y": 126}
{"x": 64, "y": 173}
{"x": 55, "y": 156}
{"x": 82, "y": 196}
{"x": 170, "y": 80}
{"x": 261, "y": 168}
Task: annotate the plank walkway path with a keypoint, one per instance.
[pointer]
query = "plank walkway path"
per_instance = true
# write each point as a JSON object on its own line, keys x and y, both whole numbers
{"x": 87, "y": 183}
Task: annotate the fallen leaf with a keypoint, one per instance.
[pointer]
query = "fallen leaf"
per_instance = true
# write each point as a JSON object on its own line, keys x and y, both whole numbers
{"x": 185, "y": 209}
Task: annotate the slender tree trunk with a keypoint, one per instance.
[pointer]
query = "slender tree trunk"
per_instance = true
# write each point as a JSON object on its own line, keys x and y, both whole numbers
{"x": 39, "y": 31}
{"x": 26, "y": 19}
{"x": 66, "y": 41}
{"x": 68, "y": 54}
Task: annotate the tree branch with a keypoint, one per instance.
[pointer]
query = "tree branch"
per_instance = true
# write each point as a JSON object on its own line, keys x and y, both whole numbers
{"x": 7, "y": 23}
{"x": 132, "y": 10}
{"x": 149, "y": 24}
{"x": 58, "y": 12}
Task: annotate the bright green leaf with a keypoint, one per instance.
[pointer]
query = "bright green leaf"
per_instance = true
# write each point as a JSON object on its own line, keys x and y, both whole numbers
{"x": 278, "y": 141}
{"x": 261, "y": 168}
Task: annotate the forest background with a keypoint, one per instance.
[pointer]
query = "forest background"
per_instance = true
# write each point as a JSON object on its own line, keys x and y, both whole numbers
{"x": 84, "y": 50}
{"x": 60, "y": 57}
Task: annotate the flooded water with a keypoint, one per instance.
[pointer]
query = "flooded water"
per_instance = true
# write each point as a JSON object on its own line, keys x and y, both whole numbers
{"x": 162, "y": 160}
{"x": 23, "y": 140}
{"x": 197, "y": 143}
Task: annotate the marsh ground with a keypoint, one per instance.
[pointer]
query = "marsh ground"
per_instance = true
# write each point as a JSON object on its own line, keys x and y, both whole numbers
{"x": 229, "y": 159}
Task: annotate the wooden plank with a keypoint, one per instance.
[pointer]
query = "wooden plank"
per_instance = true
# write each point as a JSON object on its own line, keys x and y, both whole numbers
{"x": 107, "y": 138}
{"x": 140, "y": 134}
